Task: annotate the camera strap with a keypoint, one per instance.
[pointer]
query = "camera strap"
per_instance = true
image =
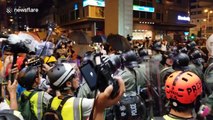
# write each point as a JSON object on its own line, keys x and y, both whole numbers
{"x": 136, "y": 80}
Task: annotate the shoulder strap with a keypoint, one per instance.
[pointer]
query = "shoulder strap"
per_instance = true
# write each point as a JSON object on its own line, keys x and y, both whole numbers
{"x": 50, "y": 102}
{"x": 164, "y": 69}
{"x": 63, "y": 102}
{"x": 31, "y": 94}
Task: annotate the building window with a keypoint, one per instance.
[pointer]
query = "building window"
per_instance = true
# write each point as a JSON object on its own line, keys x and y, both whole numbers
{"x": 158, "y": 15}
{"x": 193, "y": 7}
{"x": 135, "y": 2}
{"x": 136, "y": 14}
{"x": 99, "y": 12}
{"x": 193, "y": 13}
{"x": 198, "y": 21}
{"x": 142, "y": 3}
{"x": 149, "y": 15}
{"x": 149, "y": 4}
{"x": 199, "y": 12}
{"x": 159, "y": 1}
{"x": 142, "y": 15}
{"x": 209, "y": 28}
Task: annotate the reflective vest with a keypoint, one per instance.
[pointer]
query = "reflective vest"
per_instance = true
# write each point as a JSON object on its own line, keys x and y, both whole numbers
{"x": 72, "y": 109}
{"x": 167, "y": 117}
{"x": 37, "y": 103}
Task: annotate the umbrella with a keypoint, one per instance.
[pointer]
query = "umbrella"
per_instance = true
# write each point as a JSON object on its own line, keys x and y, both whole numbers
{"x": 31, "y": 35}
{"x": 118, "y": 42}
{"x": 98, "y": 39}
{"x": 29, "y": 40}
{"x": 46, "y": 48}
{"x": 79, "y": 37}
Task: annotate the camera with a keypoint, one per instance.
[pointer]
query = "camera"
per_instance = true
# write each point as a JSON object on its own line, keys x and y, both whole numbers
{"x": 98, "y": 72}
{"x": 36, "y": 61}
{"x": 15, "y": 48}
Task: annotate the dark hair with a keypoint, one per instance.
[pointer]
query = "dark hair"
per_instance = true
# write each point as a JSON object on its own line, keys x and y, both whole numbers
{"x": 27, "y": 76}
{"x": 185, "y": 107}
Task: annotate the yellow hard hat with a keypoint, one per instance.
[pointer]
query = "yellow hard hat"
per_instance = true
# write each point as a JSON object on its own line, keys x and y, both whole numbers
{"x": 49, "y": 59}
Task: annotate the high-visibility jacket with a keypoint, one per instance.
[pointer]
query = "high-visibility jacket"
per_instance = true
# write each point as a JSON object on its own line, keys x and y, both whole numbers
{"x": 71, "y": 110}
{"x": 36, "y": 103}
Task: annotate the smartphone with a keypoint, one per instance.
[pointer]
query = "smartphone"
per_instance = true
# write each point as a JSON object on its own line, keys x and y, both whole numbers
{"x": 89, "y": 74}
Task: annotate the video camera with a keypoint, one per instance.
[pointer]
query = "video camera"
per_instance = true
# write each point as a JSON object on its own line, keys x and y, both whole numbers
{"x": 98, "y": 72}
{"x": 14, "y": 48}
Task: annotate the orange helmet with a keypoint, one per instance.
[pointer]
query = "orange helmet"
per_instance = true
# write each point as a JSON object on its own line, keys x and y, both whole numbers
{"x": 184, "y": 87}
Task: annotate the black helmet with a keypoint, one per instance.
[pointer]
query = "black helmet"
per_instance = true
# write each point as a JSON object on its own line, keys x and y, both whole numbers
{"x": 9, "y": 115}
{"x": 143, "y": 53}
{"x": 196, "y": 57}
{"x": 156, "y": 46}
{"x": 130, "y": 59}
{"x": 60, "y": 74}
{"x": 115, "y": 62}
{"x": 27, "y": 76}
{"x": 181, "y": 62}
{"x": 183, "y": 50}
{"x": 191, "y": 45}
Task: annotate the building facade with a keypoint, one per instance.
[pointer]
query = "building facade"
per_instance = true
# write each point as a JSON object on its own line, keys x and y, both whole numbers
{"x": 202, "y": 16}
{"x": 154, "y": 19}
{"x": 169, "y": 18}
{"x": 151, "y": 18}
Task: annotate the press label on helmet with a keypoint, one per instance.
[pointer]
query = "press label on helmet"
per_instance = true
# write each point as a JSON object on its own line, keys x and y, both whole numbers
{"x": 194, "y": 88}
{"x": 173, "y": 94}
{"x": 133, "y": 109}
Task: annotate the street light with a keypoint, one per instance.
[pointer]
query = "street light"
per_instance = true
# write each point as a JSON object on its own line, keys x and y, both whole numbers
{"x": 206, "y": 10}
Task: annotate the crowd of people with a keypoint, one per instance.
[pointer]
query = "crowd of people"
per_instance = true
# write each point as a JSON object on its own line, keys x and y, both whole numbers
{"x": 155, "y": 80}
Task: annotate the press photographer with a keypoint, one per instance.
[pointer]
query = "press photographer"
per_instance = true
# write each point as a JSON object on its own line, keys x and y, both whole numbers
{"x": 98, "y": 72}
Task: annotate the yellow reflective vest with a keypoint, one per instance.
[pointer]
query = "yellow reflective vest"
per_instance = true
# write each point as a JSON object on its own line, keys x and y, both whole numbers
{"x": 71, "y": 110}
{"x": 36, "y": 103}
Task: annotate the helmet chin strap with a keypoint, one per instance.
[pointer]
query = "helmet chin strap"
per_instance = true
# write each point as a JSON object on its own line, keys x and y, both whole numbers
{"x": 70, "y": 88}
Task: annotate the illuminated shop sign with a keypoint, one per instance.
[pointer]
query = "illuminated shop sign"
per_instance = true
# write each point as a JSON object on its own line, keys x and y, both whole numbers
{"x": 143, "y": 8}
{"x": 183, "y": 18}
{"x": 100, "y": 3}
{"x": 75, "y": 6}
{"x": 186, "y": 33}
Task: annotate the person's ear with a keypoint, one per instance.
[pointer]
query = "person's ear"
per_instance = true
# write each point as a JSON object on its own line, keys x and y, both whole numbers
{"x": 37, "y": 80}
{"x": 69, "y": 84}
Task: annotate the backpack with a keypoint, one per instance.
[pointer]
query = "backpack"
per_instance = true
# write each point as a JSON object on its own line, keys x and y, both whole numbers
{"x": 51, "y": 114}
{"x": 131, "y": 106}
{"x": 25, "y": 107}
{"x": 8, "y": 115}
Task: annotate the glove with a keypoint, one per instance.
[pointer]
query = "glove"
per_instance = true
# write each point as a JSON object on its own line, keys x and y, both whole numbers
{"x": 204, "y": 110}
